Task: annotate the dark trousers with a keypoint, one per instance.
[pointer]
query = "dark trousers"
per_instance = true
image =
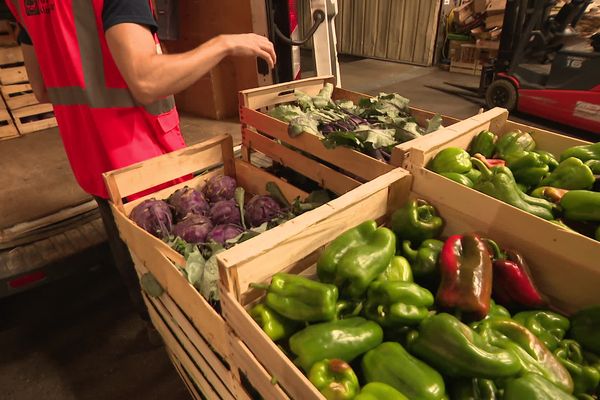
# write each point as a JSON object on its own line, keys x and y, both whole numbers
{"x": 122, "y": 258}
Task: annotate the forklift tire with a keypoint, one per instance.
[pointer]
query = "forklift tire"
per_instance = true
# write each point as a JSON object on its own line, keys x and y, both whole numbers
{"x": 501, "y": 93}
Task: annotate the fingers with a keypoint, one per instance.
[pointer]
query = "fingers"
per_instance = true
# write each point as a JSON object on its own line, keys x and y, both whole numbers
{"x": 265, "y": 50}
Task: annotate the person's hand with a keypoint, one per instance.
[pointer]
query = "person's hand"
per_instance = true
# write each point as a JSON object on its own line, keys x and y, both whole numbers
{"x": 250, "y": 44}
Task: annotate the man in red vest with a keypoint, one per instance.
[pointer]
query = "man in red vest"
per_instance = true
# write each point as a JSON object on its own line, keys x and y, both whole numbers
{"x": 99, "y": 63}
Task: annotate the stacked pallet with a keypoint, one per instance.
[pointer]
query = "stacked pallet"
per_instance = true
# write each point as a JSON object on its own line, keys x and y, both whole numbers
{"x": 479, "y": 21}
{"x": 20, "y": 112}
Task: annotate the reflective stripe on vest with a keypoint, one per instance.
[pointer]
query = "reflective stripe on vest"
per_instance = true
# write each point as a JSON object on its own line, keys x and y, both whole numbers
{"x": 95, "y": 94}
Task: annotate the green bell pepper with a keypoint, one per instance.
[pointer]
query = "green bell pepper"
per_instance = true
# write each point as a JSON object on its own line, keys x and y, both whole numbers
{"x": 474, "y": 389}
{"x": 474, "y": 174}
{"x": 530, "y": 169}
{"x": 423, "y": 260}
{"x": 379, "y": 391}
{"x": 585, "y": 328}
{"x": 548, "y": 158}
{"x": 581, "y": 205}
{"x": 533, "y": 387}
{"x": 356, "y": 258}
{"x": 416, "y": 221}
{"x": 276, "y": 326}
{"x": 299, "y": 298}
{"x": 335, "y": 379}
{"x": 398, "y": 270}
{"x": 345, "y": 339}
{"x": 456, "y": 350}
{"x": 594, "y": 166}
{"x": 533, "y": 355}
{"x": 391, "y": 364}
{"x": 451, "y": 159}
{"x": 584, "y": 153}
{"x": 498, "y": 182}
{"x": 548, "y": 326}
{"x": 458, "y": 178}
{"x": 484, "y": 143}
{"x": 397, "y": 303}
{"x": 514, "y": 145}
{"x": 571, "y": 174}
{"x": 586, "y": 378}
{"x": 347, "y": 309}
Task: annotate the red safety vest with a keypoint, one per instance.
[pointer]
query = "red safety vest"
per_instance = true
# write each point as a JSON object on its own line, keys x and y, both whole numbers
{"x": 101, "y": 125}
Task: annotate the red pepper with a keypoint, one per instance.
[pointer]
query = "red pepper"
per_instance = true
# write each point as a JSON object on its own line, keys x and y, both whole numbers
{"x": 513, "y": 285}
{"x": 490, "y": 162}
{"x": 466, "y": 275}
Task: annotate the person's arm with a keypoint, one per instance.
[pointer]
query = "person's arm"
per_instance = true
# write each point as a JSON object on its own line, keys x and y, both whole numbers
{"x": 35, "y": 75}
{"x": 151, "y": 76}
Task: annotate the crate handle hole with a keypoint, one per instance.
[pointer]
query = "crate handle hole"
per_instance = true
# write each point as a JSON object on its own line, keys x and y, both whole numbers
{"x": 286, "y": 92}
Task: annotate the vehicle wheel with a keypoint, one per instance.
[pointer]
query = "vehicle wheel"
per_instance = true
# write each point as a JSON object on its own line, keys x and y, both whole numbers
{"x": 501, "y": 93}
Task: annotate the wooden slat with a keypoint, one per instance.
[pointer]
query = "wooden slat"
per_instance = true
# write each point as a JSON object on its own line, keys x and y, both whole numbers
{"x": 9, "y": 130}
{"x": 178, "y": 351}
{"x": 383, "y": 27}
{"x": 12, "y": 75}
{"x": 431, "y": 33}
{"x": 323, "y": 175}
{"x": 196, "y": 183}
{"x": 281, "y": 93}
{"x": 358, "y": 27}
{"x": 258, "y": 377}
{"x": 211, "y": 372}
{"x": 11, "y": 55}
{"x": 347, "y": 26}
{"x": 246, "y": 262}
{"x": 25, "y": 125}
{"x": 158, "y": 170}
{"x": 183, "y": 374}
{"x": 278, "y": 366}
{"x": 254, "y": 180}
{"x": 348, "y": 159}
{"x": 18, "y": 96}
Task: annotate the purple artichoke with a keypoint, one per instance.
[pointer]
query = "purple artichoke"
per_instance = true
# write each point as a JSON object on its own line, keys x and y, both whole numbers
{"x": 153, "y": 216}
{"x": 221, "y": 187}
{"x": 193, "y": 229}
{"x": 224, "y": 232}
{"x": 261, "y": 209}
{"x": 187, "y": 200}
{"x": 225, "y": 212}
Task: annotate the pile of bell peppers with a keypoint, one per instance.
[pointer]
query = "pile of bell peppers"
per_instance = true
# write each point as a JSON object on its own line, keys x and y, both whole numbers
{"x": 400, "y": 312}
{"x": 564, "y": 189}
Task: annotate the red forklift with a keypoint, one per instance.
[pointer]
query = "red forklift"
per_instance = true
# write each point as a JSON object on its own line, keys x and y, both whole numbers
{"x": 543, "y": 68}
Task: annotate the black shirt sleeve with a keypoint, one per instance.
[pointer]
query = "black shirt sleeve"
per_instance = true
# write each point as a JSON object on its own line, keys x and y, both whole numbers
{"x": 128, "y": 11}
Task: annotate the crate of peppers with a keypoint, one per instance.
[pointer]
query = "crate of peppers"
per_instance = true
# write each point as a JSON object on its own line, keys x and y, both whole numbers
{"x": 174, "y": 228}
{"x": 405, "y": 301}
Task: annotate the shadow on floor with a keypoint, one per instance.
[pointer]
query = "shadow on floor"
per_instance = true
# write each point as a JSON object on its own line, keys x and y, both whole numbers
{"x": 79, "y": 338}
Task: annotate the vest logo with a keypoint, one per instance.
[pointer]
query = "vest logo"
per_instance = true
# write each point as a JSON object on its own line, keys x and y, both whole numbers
{"x": 37, "y": 7}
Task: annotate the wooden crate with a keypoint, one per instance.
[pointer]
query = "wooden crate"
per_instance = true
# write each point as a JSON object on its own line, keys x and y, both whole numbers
{"x": 34, "y": 118}
{"x": 12, "y": 66}
{"x": 205, "y": 373}
{"x": 548, "y": 253}
{"x": 260, "y": 132}
{"x": 216, "y": 156}
{"x": 8, "y": 130}
{"x": 18, "y": 96}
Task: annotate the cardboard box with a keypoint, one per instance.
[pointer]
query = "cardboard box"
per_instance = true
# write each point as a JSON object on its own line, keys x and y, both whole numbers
{"x": 494, "y": 21}
{"x": 496, "y": 7}
{"x": 479, "y": 6}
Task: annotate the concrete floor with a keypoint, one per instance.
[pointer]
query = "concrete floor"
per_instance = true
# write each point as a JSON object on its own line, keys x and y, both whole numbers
{"x": 80, "y": 338}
